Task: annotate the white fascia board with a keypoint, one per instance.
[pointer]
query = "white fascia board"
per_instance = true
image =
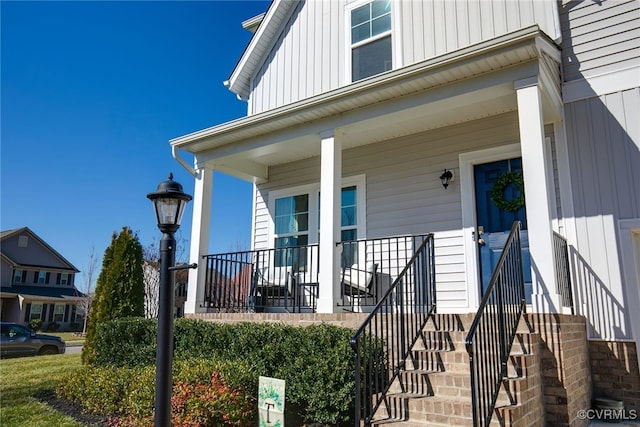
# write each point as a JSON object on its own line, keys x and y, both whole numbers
{"x": 262, "y": 40}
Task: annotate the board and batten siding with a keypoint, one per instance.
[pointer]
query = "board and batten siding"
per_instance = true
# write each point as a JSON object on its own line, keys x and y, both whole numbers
{"x": 604, "y": 154}
{"x": 404, "y": 195}
{"x": 310, "y": 56}
{"x": 599, "y": 37}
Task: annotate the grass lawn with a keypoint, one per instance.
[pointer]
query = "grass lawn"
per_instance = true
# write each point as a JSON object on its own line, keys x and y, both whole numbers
{"x": 23, "y": 378}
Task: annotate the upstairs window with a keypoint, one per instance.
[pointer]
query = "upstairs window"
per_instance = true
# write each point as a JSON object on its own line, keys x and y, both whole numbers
{"x": 370, "y": 39}
{"x": 19, "y": 276}
{"x": 63, "y": 279}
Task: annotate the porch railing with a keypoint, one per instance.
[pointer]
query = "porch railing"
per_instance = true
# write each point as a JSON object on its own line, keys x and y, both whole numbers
{"x": 494, "y": 328}
{"x": 383, "y": 342}
{"x": 285, "y": 278}
{"x": 369, "y": 267}
{"x": 563, "y": 277}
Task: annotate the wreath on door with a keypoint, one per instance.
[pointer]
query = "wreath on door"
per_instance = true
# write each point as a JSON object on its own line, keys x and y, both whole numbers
{"x": 501, "y": 184}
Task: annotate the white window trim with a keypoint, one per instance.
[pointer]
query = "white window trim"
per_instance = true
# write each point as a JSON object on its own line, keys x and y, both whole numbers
{"x": 359, "y": 181}
{"x": 396, "y": 57}
{"x": 55, "y": 308}
{"x": 36, "y": 304}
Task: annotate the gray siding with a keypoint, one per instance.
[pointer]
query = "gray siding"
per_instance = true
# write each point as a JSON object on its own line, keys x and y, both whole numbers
{"x": 34, "y": 254}
{"x": 599, "y": 37}
{"x": 310, "y": 55}
{"x": 404, "y": 195}
{"x": 604, "y": 150}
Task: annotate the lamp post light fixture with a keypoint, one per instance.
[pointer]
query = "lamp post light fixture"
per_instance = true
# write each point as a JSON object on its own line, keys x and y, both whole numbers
{"x": 169, "y": 202}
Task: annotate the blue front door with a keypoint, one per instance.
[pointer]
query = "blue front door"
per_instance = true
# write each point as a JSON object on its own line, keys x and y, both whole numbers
{"x": 494, "y": 222}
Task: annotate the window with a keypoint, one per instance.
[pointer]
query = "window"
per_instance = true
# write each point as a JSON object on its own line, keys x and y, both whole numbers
{"x": 297, "y": 219}
{"x": 58, "y": 313}
{"x": 349, "y": 224}
{"x": 19, "y": 276}
{"x": 36, "y": 312}
{"x": 291, "y": 228}
{"x": 63, "y": 279}
{"x": 41, "y": 277}
{"x": 370, "y": 39}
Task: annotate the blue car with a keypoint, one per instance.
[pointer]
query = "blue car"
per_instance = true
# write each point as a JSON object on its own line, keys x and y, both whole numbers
{"x": 18, "y": 340}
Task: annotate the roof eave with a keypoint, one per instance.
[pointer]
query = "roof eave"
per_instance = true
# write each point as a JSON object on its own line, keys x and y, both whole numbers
{"x": 531, "y": 34}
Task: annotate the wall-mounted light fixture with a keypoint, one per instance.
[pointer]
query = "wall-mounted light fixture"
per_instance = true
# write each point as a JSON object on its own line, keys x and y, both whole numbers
{"x": 446, "y": 178}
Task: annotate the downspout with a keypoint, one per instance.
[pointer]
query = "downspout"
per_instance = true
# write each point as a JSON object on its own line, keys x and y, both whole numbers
{"x": 176, "y": 156}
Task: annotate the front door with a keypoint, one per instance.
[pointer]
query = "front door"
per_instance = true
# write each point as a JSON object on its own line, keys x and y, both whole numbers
{"x": 499, "y": 202}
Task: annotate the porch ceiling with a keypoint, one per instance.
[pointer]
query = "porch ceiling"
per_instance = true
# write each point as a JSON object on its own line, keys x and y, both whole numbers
{"x": 464, "y": 85}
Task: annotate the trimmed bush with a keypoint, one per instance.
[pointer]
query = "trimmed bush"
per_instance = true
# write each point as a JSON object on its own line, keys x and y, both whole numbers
{"x": 316, "y": 361}
{"x": 128, "y": 392}
{"x": 35, "y": 324}
{"x": 53, "y": 326}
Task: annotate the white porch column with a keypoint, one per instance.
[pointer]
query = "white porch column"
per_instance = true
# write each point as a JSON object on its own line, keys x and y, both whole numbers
{"x": 200, "y": 226}
{"x": 536, "y": 184}
{"x": 330, "y": 196}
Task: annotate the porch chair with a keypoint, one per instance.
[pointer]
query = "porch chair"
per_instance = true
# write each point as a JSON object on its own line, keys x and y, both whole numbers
{"x": 359, "y": 282}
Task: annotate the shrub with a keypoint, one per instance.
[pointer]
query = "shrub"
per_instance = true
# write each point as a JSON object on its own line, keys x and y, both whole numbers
{"x": 53, "y": 326}
{"x": 209, "y": 404}
{"x": 35, "y": 324}
{"x": 315, "y": 361}
{"x": 128, "y": 392}
{"x": 74, "y": 327}
{"x": 126, "y": 342}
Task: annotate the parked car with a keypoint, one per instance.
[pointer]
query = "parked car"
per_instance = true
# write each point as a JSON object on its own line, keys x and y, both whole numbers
{"x": 18, "y": 340}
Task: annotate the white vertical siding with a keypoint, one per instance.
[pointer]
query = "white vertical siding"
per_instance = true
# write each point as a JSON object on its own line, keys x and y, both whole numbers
{"x": 599, "y": 37}
{"x": 604, "y": 150}
{"x": 404, "y": 194}
{"x": 310, "y": 55}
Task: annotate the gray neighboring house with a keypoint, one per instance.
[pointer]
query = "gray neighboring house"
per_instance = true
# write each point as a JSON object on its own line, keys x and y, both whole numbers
{"x": 37, "y": 282}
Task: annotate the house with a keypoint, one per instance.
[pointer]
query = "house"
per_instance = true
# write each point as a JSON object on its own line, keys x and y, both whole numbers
{"x": 151, "y": 274}
{"x": 450, "y": 120}
{"x": 37, "y": 283}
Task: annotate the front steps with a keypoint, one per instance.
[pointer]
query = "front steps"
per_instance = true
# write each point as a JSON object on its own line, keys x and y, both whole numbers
{"x": 435, "y": 387}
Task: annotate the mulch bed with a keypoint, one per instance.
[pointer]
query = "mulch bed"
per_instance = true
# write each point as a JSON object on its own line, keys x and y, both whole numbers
{"x": 72, "y": 409}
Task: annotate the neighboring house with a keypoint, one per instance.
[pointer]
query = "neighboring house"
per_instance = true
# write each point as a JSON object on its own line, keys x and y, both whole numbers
{"x": 37, "y": 283}
{"x": 151, "y": 284}
{"x": 363, "y": 108}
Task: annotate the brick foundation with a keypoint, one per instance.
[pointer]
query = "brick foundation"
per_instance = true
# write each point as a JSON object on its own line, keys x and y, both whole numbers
{"x": 566, "y": 375}
{"x": 615, "y": 374}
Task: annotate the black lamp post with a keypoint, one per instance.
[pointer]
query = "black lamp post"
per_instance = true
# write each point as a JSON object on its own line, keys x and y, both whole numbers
{"x": 169, "y": 202}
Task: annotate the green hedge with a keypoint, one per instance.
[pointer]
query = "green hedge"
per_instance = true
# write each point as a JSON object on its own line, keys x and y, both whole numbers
{"x": 316, "y": 361}
{"x": 130, "y": 391}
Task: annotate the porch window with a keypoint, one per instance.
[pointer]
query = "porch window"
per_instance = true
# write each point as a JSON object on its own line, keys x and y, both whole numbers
{"x": 370, "y": 39}
{"x": 349, "y": 224}
{"x": 36, "y": 312}
{"x": 291, "y": 229}
{"x": 58, "y": 313}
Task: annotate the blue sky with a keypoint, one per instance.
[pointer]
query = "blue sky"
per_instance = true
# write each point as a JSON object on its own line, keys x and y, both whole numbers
{"x": 91, "y": 94}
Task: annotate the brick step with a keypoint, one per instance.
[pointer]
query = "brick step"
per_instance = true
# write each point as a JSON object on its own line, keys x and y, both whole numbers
{"x": 418, "y": 408}
{"x": 436, "y": 360}
{"x": 450, "y": 322}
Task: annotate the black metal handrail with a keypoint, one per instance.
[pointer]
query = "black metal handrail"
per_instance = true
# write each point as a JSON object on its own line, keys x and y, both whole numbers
{"x": 563, "y": 276}
{"x": 494, "y": 328}
{"x": 383, "y": 342}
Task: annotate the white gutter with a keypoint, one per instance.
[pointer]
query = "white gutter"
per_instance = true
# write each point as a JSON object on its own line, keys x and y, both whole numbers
{"x": 176, "y": 156}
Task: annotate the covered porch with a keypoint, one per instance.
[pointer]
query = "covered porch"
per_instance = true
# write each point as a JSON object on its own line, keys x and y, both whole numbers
{"x": 387, "y": 139}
